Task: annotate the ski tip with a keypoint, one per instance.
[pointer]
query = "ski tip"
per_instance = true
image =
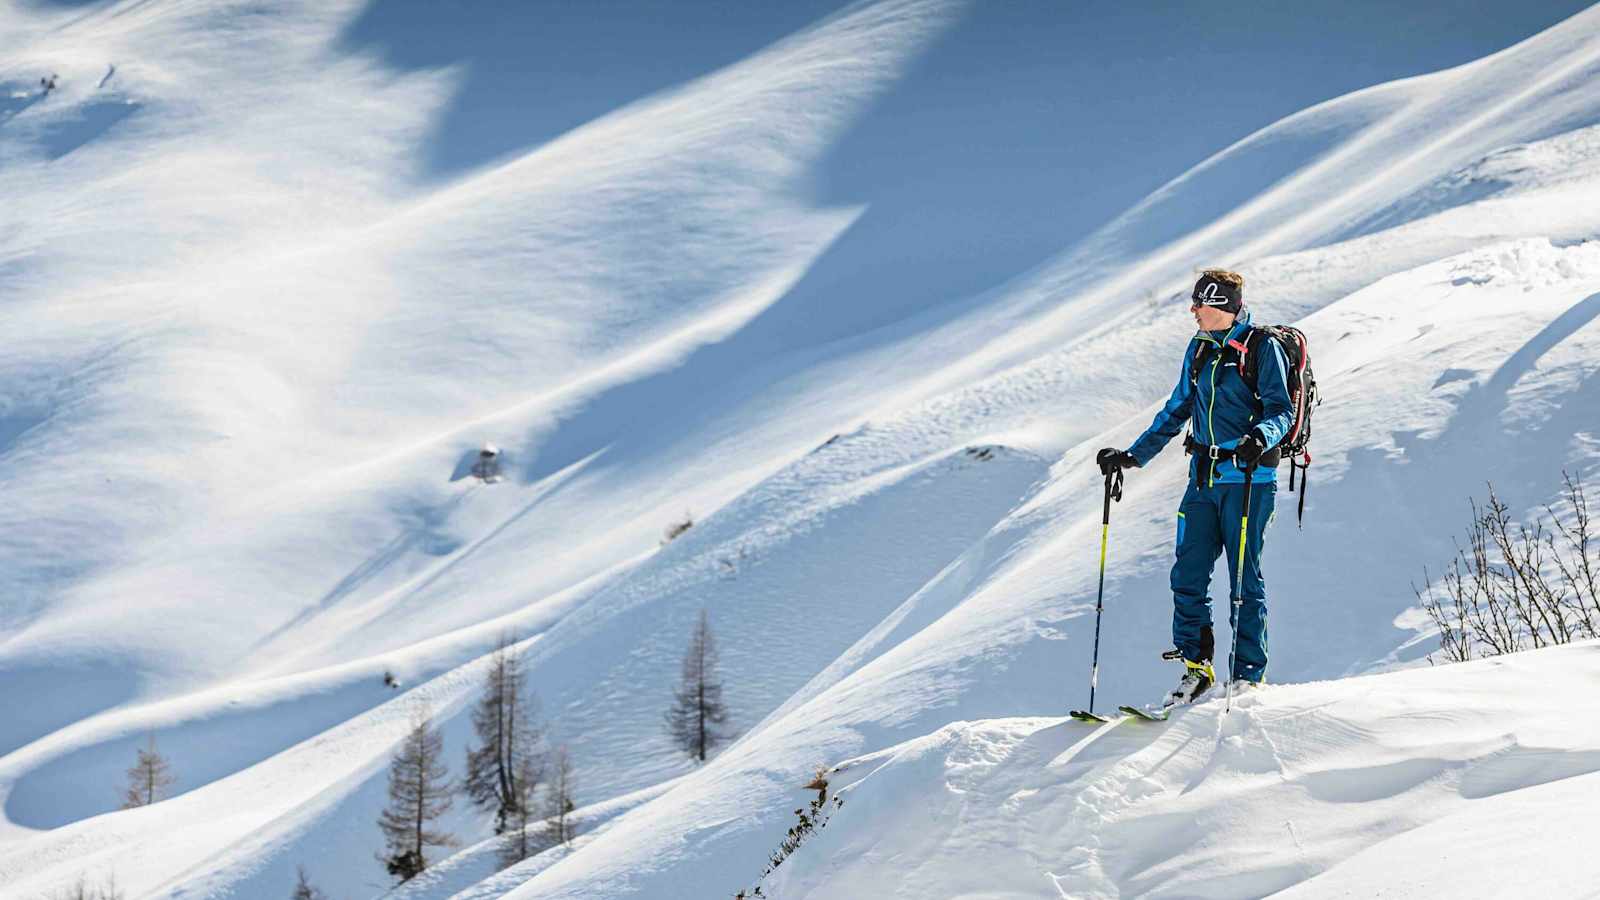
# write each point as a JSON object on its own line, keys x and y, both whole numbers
{"x": 1085, "y": 716}
{"x": 1146, "y": 714}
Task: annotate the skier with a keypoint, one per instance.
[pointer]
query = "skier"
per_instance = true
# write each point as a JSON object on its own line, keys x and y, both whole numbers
{"x": 1234, "y": 429}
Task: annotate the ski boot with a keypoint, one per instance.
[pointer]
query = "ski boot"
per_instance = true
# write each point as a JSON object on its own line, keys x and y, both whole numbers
{"x": 1198, "y": 677}
{"x": 1241, "y": 686}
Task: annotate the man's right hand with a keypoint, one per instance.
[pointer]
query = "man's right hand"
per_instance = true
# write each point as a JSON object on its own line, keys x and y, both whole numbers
{"x": 1111, "y": 459}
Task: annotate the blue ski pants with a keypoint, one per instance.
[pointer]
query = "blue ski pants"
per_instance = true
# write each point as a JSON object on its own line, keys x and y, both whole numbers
{"x": 1208, "y": 524}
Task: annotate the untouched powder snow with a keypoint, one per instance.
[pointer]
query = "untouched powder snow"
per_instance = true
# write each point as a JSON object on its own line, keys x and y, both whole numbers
{"x": 259, "y": 358}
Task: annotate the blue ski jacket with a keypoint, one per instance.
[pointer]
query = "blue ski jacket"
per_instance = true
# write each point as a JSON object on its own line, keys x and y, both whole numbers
{"x": 1221, "y": 405}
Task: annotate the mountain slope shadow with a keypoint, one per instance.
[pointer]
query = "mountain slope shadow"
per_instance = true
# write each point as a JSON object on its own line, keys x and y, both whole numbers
{"x": 536, "y": 69}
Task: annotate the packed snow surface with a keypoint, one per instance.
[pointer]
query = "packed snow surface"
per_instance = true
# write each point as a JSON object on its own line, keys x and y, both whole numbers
{"x": 249, "y": 362}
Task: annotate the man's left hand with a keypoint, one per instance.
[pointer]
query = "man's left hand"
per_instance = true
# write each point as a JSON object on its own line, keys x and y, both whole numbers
{"x": 1249, "y": 451}
{"x": 1111, "y": 459}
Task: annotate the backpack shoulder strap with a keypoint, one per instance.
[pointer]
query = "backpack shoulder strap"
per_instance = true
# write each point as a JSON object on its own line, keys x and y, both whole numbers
{"x": 1250, "y": 359}
{"x": 1198, "y": 360}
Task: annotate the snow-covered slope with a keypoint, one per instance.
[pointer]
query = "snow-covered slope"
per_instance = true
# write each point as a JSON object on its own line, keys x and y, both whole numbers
{"x": 258, "y": 356}
{"x": 1423, "y": 783}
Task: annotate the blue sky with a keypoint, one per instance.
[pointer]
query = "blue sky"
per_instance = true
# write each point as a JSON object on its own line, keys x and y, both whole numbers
{"x": 1025, "y": 127}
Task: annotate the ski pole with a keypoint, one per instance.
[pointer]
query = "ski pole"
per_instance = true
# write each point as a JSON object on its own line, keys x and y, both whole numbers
{"x": 1113, "y": 492}
{"x": 1238, "y": 584}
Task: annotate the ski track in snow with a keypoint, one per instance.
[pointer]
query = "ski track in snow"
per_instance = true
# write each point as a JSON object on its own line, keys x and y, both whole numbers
{"x": 906, "y": 588}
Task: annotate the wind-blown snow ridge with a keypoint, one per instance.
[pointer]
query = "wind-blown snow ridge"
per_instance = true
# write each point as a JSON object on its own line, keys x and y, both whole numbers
{"x": 1385, "y": 785}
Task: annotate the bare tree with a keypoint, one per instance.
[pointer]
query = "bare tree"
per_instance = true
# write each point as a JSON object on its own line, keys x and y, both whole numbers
{"x": 419, "y": 792}
{"x": 1579, "y": 564}
{"x": 82, "y": 890}
{"x": 560, "y": 824}
{"x": 697, "y": 712}
{"x": 149, "y": 779}
{"x": 303, "y": 889}
{"x": 505, "y": 769}
{"x": 519, "y": 838}
{"x": 1516, "y": 586}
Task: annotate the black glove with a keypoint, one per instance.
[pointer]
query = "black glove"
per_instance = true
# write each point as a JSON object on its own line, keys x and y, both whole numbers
{"x": 1249, "y": 451}
{"x": 1111, "y": 459}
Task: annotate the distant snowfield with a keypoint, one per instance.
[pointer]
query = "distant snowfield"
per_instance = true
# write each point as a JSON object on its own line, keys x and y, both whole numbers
{"x": 248, "y": 361}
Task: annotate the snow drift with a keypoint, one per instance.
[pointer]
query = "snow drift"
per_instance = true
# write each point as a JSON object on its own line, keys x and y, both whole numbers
{"x": 1408, "y": 784}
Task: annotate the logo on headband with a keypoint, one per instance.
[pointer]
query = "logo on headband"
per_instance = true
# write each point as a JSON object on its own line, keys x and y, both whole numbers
{"x": 1210, "y": 296}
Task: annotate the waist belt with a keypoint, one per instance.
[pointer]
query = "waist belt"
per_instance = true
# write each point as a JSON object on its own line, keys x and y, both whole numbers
{"x": 1207, "y": 457}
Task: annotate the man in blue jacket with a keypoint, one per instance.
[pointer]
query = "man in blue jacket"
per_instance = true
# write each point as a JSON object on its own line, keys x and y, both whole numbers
{"x": 1233, "y": 428}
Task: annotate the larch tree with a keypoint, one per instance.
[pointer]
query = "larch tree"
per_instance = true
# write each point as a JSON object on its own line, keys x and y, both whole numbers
{"x": 697, "y": 713}
{"x": 150, "y": 779}
{"x": 419, "y": 792}
{"x": 560, "y": 825}
{"x": 504, "y": 770}
{"x": 518, "y": 839}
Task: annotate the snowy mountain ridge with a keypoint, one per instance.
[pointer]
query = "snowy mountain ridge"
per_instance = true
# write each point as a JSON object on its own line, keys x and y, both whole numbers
{"x": 893, "y": 531}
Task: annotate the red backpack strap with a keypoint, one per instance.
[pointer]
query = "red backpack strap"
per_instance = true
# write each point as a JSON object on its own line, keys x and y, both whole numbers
{"x": 1242, "y": 351}
{"x": 1249, "y": 363}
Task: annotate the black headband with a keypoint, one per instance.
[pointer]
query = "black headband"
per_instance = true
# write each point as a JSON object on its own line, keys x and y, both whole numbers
{"x": 1214, "y": 292}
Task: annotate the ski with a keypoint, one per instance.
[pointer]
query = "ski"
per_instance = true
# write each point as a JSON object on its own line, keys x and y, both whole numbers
{"x": 1147, "y": 714}
{"x": 1083, "y": 715}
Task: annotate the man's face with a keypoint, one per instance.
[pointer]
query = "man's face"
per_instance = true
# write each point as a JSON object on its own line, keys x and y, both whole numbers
{"x": 1209, "y": 318}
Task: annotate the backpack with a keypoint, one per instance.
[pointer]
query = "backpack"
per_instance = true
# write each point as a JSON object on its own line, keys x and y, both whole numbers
{"x": 1303, "y": 394}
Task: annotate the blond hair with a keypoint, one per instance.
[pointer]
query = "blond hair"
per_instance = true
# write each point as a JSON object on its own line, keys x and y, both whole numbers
{"x": 1226, "y": 277}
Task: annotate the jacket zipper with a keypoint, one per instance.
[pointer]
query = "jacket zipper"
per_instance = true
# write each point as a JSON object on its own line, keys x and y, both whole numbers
{"x": 1210, "y": 426}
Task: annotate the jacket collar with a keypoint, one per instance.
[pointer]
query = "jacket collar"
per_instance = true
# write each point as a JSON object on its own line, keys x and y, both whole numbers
{"x": 1241, "y": 324}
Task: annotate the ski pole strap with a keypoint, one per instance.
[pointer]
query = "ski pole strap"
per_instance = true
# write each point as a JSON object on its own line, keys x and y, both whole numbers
{"x": 1113, "y": 490}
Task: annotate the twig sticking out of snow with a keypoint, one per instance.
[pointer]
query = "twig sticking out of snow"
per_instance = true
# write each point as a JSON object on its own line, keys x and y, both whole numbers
{"x": 811, "y": 817}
